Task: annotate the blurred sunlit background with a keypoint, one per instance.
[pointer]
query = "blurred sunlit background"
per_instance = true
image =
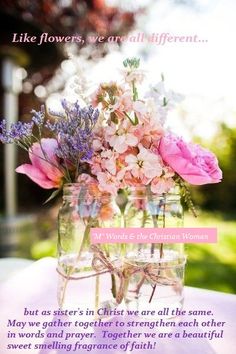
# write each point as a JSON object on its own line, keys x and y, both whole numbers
{"x": 204, "y": 72}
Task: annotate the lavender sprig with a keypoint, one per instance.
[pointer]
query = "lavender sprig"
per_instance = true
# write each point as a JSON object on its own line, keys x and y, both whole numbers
{"x": 38, "y": 116}
{"x": 74, "y": 133}
{"x": 4, "y": 134}
{"x": 18, "y": 132}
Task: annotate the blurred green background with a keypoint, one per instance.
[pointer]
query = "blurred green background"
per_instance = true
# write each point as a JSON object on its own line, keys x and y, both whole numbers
{"x": 213, "y": 266}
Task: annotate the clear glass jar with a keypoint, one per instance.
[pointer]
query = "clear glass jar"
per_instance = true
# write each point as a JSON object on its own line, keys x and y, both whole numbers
{"x": 156, "y": 270}
{"x": 85, "y": 280}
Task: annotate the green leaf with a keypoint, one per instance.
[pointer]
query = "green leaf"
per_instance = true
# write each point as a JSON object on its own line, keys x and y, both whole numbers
{"x": 53, "y": 195}
{"x": 132, "y": 63}
{"x": 185, "y": 192}
{"x": 131, "y": 121}
{"x": 135, "y": 119}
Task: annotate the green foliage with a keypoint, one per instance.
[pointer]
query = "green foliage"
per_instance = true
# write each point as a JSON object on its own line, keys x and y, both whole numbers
{"x": 212, "y": 266}
{"x": 44, "y": 248}
{"x": 186, "y": 196}
{"x": 131, "y": 63}
{"x": 220, "y": 196}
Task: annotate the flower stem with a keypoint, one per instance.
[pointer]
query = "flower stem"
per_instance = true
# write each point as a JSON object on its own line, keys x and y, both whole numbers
{"x": 72, "y": 269}
{"x": 97, "y": 285}
{"x": 154, "y": 218}
{"x": 161, "y": 248}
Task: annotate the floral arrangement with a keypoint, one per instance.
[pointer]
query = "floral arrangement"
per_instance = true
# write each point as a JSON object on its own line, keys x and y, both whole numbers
{"x": 118, "y": 141}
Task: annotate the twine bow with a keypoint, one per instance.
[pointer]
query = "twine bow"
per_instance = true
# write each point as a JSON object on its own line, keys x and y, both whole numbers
{"x": 100, "y": 263}
{"x": 149, "y": 272}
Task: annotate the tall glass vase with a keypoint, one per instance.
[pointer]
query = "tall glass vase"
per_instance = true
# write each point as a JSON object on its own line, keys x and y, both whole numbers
{"x": 86, "y": 276}
{"x": 156, "y": 270}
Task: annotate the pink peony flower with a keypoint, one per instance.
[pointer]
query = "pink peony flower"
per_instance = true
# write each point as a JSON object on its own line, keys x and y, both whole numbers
{"x": 46, "y": 174}
{"x": 193, "y": 163}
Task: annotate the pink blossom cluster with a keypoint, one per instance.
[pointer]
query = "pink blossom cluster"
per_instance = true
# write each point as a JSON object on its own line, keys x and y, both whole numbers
{"x": 127, "y": 155}
{"x": 131, "y": 146}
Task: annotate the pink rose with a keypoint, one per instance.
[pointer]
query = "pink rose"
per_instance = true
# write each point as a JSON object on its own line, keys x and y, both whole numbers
{"x": 193, "y": 163}
{"x": 46, "y": 174}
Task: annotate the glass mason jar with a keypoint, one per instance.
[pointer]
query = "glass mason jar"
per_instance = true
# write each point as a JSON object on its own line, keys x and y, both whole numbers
{"x": 86, "y": 277}
{"x": 156, "y": 270}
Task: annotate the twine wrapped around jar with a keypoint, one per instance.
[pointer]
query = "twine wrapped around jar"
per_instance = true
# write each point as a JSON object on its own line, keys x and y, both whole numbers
{"x": 102, "y": 264}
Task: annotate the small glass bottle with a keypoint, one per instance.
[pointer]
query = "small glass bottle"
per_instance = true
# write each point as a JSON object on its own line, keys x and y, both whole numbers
{"x": 156, "y": 270}
{"x": 82, "y": 282}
